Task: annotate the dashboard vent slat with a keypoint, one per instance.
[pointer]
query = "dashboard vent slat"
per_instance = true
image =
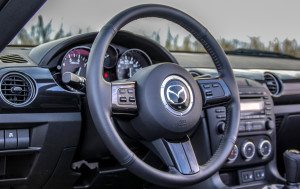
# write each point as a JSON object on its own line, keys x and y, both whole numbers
{"x": 17, "y": 89}
{"x": 273, "y": 84}
{"x": 13, "y": 58}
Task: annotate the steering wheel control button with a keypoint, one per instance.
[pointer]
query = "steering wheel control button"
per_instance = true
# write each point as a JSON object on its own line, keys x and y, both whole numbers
{"x": 218, "y": 92}
{"x": 206, "y": 86}
{"x": 215, "y": 91}
{"x": 122, "y": 91}
{"x": 248, "y": 150}
{"x": 208, "y": 93}
{"x": 264, "y": 148}
{"x": 11, "y": 141}
{"x": 215, "y": 85}
{"x": 176, "y": 95}
{"x": 233, "y": 154}
{"x": 131, "y": 99}
{"x": 126, "y": 96}
{"x": 130, "y": 91}
{"x": 123, "y": 98}
{"x": 221, "y": 127}
{"x": 221, "y": 110}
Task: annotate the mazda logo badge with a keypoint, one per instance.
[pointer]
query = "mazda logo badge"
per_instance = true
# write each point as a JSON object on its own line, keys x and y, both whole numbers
{"x": 176, "y": 94}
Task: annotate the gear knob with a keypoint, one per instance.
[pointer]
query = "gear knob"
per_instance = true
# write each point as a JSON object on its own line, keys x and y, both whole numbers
{"x": 292, "y": 165}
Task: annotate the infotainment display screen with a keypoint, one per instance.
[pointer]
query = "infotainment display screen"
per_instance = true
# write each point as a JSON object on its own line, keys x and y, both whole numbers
{"x": 252, "y": 105}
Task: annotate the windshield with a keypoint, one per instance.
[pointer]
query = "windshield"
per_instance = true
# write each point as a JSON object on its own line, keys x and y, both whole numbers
{"x": 270, "y": 25}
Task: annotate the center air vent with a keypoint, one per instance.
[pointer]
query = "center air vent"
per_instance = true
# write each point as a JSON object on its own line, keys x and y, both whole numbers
{"x": 12, "y": 58}
{"x": 273, "y": 84}
{"x": 17, "y": 89}
{"x": 196, "y": 74}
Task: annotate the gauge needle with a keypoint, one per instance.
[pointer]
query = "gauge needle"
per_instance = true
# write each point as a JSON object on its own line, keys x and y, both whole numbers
{"x": 130, "y": 72}
{"x": 79, "y": 70}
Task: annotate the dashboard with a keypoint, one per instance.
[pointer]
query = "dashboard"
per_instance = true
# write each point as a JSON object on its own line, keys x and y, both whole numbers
{"x": 62, "y": 137}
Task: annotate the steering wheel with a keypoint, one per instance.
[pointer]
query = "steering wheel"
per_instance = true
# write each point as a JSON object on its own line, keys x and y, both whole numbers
{"x": 163, "y": 102}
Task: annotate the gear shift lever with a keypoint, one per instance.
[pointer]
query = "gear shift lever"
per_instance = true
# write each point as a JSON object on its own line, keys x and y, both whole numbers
{"x": 292, "y": 167}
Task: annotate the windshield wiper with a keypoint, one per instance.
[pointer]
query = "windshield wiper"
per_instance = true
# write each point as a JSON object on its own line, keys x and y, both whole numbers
{"x": 249, "y": 52}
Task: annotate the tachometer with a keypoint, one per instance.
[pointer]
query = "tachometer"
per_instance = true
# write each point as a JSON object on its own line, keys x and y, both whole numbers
{"x": 130, "y": 62}
{"x": 75, "y": 61}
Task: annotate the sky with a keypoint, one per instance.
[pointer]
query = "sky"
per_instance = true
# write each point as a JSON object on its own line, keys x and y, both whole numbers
{"x": 230, "y": 19}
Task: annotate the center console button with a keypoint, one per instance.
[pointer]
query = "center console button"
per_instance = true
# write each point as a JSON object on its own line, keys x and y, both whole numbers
{"x": 233, "y": 154}
{"x": 256, "y": 117}
{"x": 264, "y": 148}
{"x": 249, "y": 126}
{"x": 242, "y": 128}
{"x": 248, "y": 150}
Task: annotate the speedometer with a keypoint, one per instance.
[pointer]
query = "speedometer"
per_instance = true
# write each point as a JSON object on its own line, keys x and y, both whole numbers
{"x": 130, "y": 62}
{"x": 75, "y": 61}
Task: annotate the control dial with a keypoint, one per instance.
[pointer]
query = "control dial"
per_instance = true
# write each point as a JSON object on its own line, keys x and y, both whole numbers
{"x": 264, "y": 148}
{"x": 248, "y": 150}
{"x": 233, "y": 154}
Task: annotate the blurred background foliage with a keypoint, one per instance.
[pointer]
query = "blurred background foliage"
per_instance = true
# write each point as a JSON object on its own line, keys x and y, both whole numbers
{"x": 41, "y": 33}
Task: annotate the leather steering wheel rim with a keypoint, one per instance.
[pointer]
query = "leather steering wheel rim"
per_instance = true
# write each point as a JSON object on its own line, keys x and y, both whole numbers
{"x": 99, "y": 91}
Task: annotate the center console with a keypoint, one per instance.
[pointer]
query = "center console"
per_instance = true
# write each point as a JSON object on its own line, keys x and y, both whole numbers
{"x": 255, "y": 145}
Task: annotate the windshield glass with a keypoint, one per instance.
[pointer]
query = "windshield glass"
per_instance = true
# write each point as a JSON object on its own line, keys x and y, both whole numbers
{"x": 270, "y": 25}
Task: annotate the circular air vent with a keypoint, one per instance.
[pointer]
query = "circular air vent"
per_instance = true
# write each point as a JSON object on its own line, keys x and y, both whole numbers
{"x": 17, "y": 89}
{"x": 273, "y": 83}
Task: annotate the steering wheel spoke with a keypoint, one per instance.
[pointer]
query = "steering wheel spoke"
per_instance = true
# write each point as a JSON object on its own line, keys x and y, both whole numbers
{"x": 215, "y": 92}
{"x": 176, "y": 154}
{"x": 123, "y": 99}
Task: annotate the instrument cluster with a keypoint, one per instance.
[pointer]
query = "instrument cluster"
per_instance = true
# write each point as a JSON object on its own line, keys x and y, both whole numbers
{"x": 119, "y": 64}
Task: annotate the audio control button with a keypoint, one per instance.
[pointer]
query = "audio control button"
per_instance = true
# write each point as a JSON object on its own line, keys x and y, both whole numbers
{"x": 242, "y": 128}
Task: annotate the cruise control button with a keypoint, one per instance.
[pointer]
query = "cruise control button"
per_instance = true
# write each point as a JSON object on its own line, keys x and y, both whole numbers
{"x": 220, "y": 110}
{"x": 206, "y": 86}
{"x": 130, "y": 91}
{"x": 215, "y": 85}
{"x": 209, "y": 93}
{"x": 122, "y": 91}
{"x": 221, "y": 116}
{"x": 123, "y": 99}
{"x": 131, "y": 99}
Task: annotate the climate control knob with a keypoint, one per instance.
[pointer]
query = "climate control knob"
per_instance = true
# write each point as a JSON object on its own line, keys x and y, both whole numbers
{"x": 264, "y": 148}
{"x": 248, "y": 150}
{"x": 233, "y": 154}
